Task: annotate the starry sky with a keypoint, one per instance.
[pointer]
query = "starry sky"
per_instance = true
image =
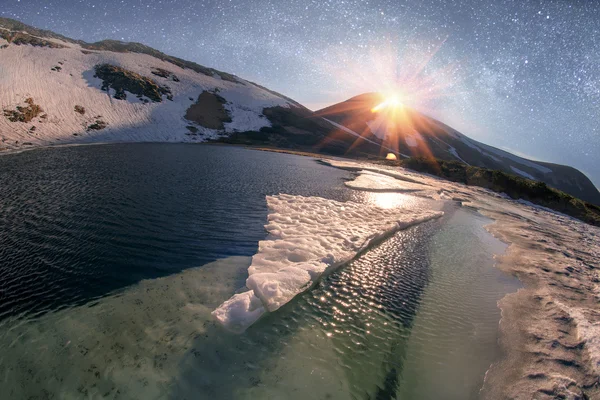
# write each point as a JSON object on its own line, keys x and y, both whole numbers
{"x": 522, "y": 75}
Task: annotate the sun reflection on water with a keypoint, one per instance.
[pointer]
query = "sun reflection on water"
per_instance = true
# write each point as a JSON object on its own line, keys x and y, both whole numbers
{"x": 390, "y": 200}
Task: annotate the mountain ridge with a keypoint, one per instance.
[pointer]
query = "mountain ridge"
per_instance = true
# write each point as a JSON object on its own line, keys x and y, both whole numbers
{"x": 420, "y": 135}
{"x": 57, "y": 90}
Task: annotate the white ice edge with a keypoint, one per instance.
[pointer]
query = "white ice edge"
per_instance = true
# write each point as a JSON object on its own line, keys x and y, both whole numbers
{"x": 396, "y": 173}
{"x": 377, "y": 182}
{"x": 308, "y": 237}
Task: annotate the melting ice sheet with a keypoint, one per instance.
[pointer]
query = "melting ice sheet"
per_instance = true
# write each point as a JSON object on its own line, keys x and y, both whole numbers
{"x": 307, "y": 237}
{"x": 372, "y": 181}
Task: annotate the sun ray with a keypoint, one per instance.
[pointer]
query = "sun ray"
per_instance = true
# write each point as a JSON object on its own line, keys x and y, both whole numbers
{"x": 398, "y": 83}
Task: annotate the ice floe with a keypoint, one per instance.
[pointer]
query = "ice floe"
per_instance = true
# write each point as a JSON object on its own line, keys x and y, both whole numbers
{"x": 307, "y": 237}
{"x": 373, "y": 181}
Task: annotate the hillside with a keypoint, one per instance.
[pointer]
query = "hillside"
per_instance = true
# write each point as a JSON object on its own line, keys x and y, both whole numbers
{"x": 56, "y": 90}
{"x": 420, "y": 135}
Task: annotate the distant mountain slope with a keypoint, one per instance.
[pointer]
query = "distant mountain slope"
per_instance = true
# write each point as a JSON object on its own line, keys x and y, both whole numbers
{"x": 419, "y": 135}
{"x": 58, "y": 90}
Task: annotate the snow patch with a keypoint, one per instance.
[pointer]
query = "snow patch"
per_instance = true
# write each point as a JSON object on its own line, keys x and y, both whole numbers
{"x": 394, "y": 172}
{"x": 522, "y": 173}
{"x": 586, "y": 331}
{"x": 453, "y": 151}
{"x": 373, "y": 181}
{"x": 307, "y": 237}
{"x": 481, "y": 147}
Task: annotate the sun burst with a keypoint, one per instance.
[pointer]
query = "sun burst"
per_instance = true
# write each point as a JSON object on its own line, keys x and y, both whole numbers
{"x": 404, "y": 80}
{"x": 391, "y": 102}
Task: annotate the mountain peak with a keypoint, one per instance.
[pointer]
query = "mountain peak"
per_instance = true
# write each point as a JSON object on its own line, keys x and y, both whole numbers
{"x": 411, "y": 133}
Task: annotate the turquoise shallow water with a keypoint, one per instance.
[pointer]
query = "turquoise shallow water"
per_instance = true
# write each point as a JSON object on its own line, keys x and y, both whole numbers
{"x": 414, "y": 317}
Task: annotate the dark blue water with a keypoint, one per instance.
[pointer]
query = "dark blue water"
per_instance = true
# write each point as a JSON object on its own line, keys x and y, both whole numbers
{"x": 79, "y": 222}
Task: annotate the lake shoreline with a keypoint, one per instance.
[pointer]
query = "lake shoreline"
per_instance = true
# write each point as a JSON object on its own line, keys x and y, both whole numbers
{"x": 548, "y": 329}
{"x": 545, "y": 352}
{"x": 8, "y": 152}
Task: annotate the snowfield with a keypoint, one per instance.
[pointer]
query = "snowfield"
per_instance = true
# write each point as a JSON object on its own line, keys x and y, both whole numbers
{"x": 522, "y": 173}
{"x": 307, "y": 237}
{"x": 26, "y": 72}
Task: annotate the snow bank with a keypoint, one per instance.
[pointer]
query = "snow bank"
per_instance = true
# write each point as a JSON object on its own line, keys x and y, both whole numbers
{"x": 522, "y": 173}
{"x": 394, "y": 172}
{"x": 373, "y": 181}
{"x": 307, "y": 237}
{"x": 240, "y": 311}
{"x": 587, "y": 330}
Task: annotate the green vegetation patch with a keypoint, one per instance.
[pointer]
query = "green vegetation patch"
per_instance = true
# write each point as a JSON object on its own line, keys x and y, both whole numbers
{"x": 514, "y": 186}
{"x": 18, "y": 26}
{"x": 121, "y": 80}
{"x": 24, "y": 113}
{"x": 97, "y": 126}
{"x": 193, "y": 130}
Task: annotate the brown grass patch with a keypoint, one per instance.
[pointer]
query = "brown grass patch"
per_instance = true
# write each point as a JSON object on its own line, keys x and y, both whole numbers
{"x": 208, "y": 111}
{"x": 24, "y": 113}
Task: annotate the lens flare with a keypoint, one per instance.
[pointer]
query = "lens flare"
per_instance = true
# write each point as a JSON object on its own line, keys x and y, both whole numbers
{"x": 392, "y": 101}
{"x": 397, "y": 82}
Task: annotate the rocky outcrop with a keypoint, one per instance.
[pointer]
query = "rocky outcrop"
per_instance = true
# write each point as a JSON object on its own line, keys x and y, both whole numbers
{"x": 163, "y": 73}
{"x": 22, "y": 38}
{"x": 121, "y": 80}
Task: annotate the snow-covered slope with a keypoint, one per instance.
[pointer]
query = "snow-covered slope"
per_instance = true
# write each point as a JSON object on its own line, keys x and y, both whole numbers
{"x": 59, "y": 78}
{"x": 55, "y": 90}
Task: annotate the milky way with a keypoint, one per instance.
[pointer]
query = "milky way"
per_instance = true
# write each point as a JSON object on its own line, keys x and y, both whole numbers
{"x": 521, "y": 75}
